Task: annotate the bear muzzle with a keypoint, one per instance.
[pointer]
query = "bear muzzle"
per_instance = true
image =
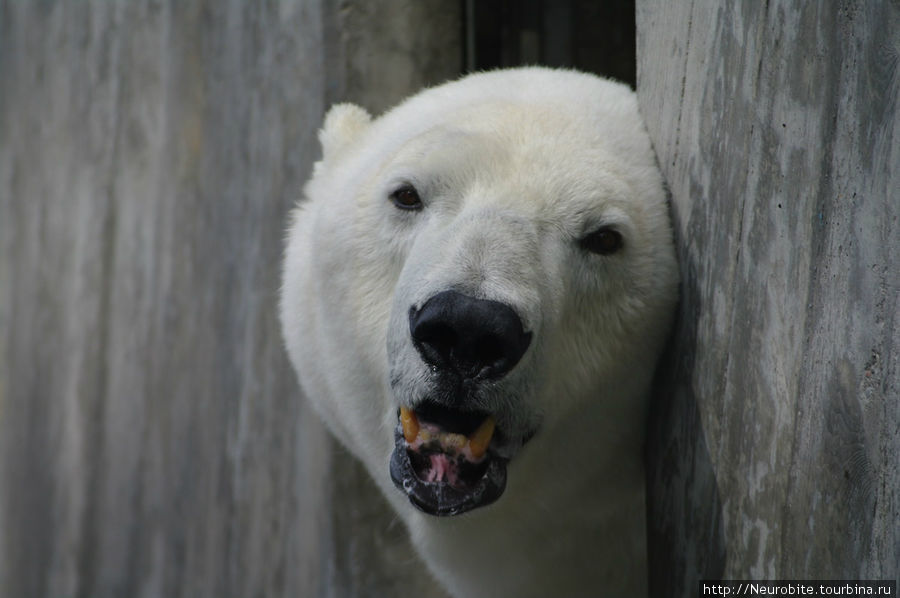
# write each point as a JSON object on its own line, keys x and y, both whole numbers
{"x": 449, "y": 455}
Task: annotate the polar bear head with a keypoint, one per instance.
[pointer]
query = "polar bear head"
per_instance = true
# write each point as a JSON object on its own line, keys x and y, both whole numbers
{"x": 478, "y": 284}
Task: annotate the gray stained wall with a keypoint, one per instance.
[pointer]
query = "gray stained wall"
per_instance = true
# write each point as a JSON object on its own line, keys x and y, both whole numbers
{"x": 152, "y": 440}
{"x": 775, "y": 442}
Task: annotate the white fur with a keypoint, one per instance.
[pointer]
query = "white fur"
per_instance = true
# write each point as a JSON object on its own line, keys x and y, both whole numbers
{"x": 514, "y": 167}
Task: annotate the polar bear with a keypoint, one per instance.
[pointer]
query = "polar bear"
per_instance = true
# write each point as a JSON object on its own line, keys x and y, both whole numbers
{"x": 476, "y": 290}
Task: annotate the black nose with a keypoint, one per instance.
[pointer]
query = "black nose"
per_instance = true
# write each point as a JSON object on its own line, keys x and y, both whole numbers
{"x": 473, "y": 338}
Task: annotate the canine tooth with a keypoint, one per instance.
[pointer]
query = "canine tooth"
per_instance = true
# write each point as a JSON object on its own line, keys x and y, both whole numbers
{"x": 410, "y": 424}
{"x": 480, "y": 440}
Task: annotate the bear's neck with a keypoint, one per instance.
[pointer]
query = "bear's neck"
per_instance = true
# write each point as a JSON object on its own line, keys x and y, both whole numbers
{"x": 576, "y": 529}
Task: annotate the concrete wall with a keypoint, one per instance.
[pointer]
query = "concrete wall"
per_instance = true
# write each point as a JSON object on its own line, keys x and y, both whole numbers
{"x": 152, "y": 440}
{"x": 775, "y": 442}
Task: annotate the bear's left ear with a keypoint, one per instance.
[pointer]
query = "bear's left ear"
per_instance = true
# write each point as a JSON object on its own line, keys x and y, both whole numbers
{"x": 343, "y": 124}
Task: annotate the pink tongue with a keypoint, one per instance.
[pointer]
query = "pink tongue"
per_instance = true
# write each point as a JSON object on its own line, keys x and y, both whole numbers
{"x": 442, "y": 470}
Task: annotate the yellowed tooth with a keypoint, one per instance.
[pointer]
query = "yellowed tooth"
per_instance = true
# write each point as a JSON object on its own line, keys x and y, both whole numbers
{"x": 481, "y": 438}
{"x": 455, "y": 442}
{"x": 410, "y": 424}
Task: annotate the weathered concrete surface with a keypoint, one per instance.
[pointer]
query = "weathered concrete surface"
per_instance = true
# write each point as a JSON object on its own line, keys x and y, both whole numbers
{"x": 380, "y": 52}
{"x": 775, "y": 444}
{"x": 152, "y": 440}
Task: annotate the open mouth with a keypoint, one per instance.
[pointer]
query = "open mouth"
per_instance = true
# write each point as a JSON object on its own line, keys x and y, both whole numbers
{"x": 443, "y": 459}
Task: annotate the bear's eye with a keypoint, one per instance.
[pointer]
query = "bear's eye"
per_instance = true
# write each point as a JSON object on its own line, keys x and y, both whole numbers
{"x": 406, "y": 198}
{"x": 603, "y": 241}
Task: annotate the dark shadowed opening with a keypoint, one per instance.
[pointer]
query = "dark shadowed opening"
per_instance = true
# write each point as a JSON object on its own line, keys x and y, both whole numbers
{"x": 597, "y": 37}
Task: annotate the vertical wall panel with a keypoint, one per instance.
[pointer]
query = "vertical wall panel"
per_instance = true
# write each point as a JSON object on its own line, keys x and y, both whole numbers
{"x": 152, "y": 437}
{"x": 775, "y": 441}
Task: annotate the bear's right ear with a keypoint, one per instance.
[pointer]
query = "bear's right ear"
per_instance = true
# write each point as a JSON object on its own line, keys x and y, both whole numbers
{"x": 343, "y": 124}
